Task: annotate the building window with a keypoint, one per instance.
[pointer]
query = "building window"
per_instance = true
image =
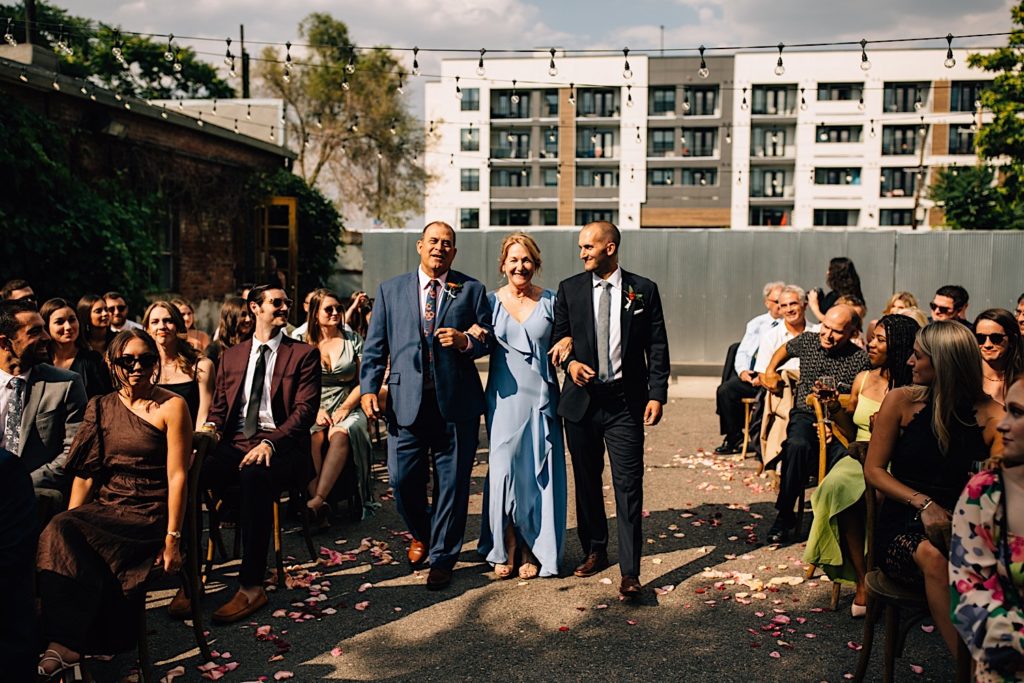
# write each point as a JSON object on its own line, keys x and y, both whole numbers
{"x": 898, "y": 140}
{"x": 767, "y": 142}
{"x": 830, "y": 134}
{"x": 502, "y": 106}
{"x": 663, "y": 100}
{"x": 768, "y": 182}
{"x": 469, "y": 140}
{"x": 700, "y": 101}
{"x": 595, "y": 143}
{"x": 840, "y": 92}
{"x": 961, "y": 139}
{"x": 510, "y": 144}
{"x": 774, "y": 99}
{"x": 469, "y": 219}
{"x": 469, "y": 179}
{"x": 550, "y": 176}
{"x": 510, "y": 177}
{"x": 965, "y": 95}
{"x": 584, "y": 216}
{"x": 549, "y": 216}
{"x": 896, "y": 217}
{"x": 596, "y": 102}
{"x": 698, "y": 142}
{"x": 510, "y": 216}
{"x": 661, "y": 176}
{"x": 700, "y": 177}
{"x": 550, "y": 103}
{"x": 597, "y": 177}
{"x": 898, "y": 182}
{"x": 836, "y": 217}
{"x": 837, "y": 176}
{"x": 470, "y": 99}
{"x": 661, "y": 142}
{"x": 904, "y": 97}
{"x": 550, "y": 150}
{"x": 770, "y": 215}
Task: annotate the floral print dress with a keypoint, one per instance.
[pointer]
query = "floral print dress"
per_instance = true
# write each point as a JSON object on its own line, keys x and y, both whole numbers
{"x": 986, "y": 573}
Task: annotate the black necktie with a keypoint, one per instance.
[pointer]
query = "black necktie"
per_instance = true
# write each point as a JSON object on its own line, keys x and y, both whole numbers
{"x": 252, "y": 409}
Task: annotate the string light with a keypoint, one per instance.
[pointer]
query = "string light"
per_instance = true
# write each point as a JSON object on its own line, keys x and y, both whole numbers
{"x": 703, "y": 71}
{"x": 872, "y": 132}
{"x": 199, "y": 118}
{"x": 779, "y": 68}
{"x": 922, "y": 129}
{"x": 169, "y": 52}
{"x": 728, "y": 133}
{"x": 803, "y": 100}
{"x": 415, "y": 61}
{"x": 394, "y": 127}
{"x": 23, "y": 76}
{"x": 458, "y": 89}
{"x": 552, "y": 69}
{"x": 354, "y": 128}
{"x": 56, "y": 83}
{"x": 163, "y": 114}
{"x": 629, "y": 95}
{"x": 918, "y": 104}
{"x": 229, "y": 59}
{"x": 118, "y": 50}
{"x": 272, "y": 136}
{"x": 686, "y": 101}
{"x": 319, "y": 122}
{"x": 638, "y": 138}
{"x": 8, "y": 36}
{"x": 287, "y": 75}
{"x": 400, "y": 88}
{"x": 480, "y": 65}
{"x": 248, "y": 112}
{"x": 62, "y": 43}
{"x": 515, "y": 96}
{"x": 744, "y": 105}
{"x": 344, "y": 81}
{"x": 627, "y": 73}
{"x": 351, "y": 66}
{"x": 950, "y": 62}
{"x": 865, "y": 63}
{"x": 214, "y": 109}
{"x": 572, "y": 94}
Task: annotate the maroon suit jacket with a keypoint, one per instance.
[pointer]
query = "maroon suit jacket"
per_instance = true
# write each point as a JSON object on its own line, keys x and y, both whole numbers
{"x": 294, "y": 393}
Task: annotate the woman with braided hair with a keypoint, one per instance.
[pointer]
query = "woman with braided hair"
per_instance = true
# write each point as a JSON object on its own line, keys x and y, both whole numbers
{"x": 836, "y": 540}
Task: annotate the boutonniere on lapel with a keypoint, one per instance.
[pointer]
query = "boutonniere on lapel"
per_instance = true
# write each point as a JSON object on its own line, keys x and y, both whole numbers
{"x": 452, "y": 289}
{"x": 633, "y": 295}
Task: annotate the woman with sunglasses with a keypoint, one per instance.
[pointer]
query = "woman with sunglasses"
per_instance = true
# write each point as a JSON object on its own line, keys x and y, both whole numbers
{"x": 341, "y": 426}
{"x": 197, "y": 338}
{"x": 236, "y": 326}
{"x": 1002, "y": 353}
{"x": 68, "y": 349}
{"x": 129, "y": 461}
{"x": 94, "y": 319}
{"x": 182, "y": 371}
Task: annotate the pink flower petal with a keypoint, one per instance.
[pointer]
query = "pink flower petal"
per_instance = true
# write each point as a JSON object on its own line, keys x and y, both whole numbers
{"x": 336, "y": 652}
{"x": 631, "y": 622}
{"x": 172, "y": 674}
{"x": 601, "y": 606}
{"x": 364, "y": 587}
{"x": 856, "y": 647}
{"x": 774, "y": 654}
{"x": 283, "y": 675}
{"x": 927, "y": 628}
{"x": 361, "y": 606}
{"x": 563, "y": 628}
{"x": 263, "y": 631}
{"x": 231, "y": 666}
{"x": 917, "y": 669}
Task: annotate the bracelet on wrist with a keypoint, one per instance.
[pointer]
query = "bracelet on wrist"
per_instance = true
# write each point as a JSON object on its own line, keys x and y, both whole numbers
{"x": 175, "y": 535}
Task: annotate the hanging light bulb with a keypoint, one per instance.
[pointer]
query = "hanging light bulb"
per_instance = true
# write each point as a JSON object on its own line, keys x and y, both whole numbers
{"x": 686, "y": 101}
{"x": 703, "y": 71}
{"x": 229, "y": 59}
{"x": 177, "y": 64}
{"x": 728, "y": 134}
{"x": 823, "y": 136}
{"x": 163, "y": 113}
{"x": 515, "y": 96}
{"x": 865, "y": 63}
{"x": 116, "y": 50}
{"x": 56, "y": 83}
{"x": 860, "y": 102}
{"x": 872, "y": 131}
{"x": 458, "y": 89}
{"x": 744, "y": 105}
{"x": 629, "y": 95}
{"x": 779, "y": 68}
{"x": 950, "y": 61}
{"x": 451, "y": 160}
{"x": 62, "y": 43}
{"x": 552, "y": 69}
{"x": 344, "y": 81}
{"x": 23, "y": 76}
{"x": 214, "y": 110}
{"x": 627, "y": 73}
{"x": 287, "y": 75}
{"x": 918, "y": 104}
{"x": 169, "y": 52}
{"x": 803, "y": 100}
{"x": 199, "y": 119}
{"x": 480, "y": 65}
{"x": 394, "y": 127}
{"x": 354, "y": 128}
{"x": 319, "y": 122}
{"x": 775, "y": 136}
{"x": 682, "y": 138}
{"x": 973, "y": 127}
{"x": 400, "y": 88}
{"x": 8, "y": 36}
{"x": 638, "y": 138}
{"x": 415, "y": 61}
{"x": 351, "y": 66}
{"x": 273, "y": 135}
{"x": 922, "y": 129}
{"x": 551, "y": 134}
{"x": 572, "y": 94}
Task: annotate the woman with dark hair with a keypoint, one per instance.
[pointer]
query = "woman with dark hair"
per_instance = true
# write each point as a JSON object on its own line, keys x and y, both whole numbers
{"x": 94, "y": 320}
{"x": 1002, "y": 353}
{"x": 842, "y": 280}
{"x": 132, "y": 452}
{"x": 926, "y": 440}
{"x": 182, "y": 371}
{"x": 836, "y": 540}
{"x": 236, "y": 326}
{"x": 357, "y": 315}
{"x": 197, "y": 338}
{"x": 68, "y": 350}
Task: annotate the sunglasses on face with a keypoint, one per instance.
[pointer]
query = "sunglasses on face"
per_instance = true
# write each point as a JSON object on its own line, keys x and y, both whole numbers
{"x": 277, "y": 303}
{"x": 944, "y": 310}
{"x": 331, "y": 310}
{"x": 116, "y": 309}
{"x": 996, "y": 337}
{"x": 145, "y": 361}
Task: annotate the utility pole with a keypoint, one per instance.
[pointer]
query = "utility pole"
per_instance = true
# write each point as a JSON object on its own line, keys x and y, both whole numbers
{"x": 662, "y": 28}
{"x": 245, "y": 63}
{"x": 30, "y": 19}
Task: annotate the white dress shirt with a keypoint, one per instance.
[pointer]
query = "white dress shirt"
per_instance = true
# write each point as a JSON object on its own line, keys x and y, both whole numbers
{"x": 615, "y": 323}
{"x": 6, "y": 394}
{"x": 129, "y": 324}
{"x": 266, "y": 415}
{"x": 748, "y": 350}
{"x": 424, "y": 281}
{"x": 771, "y": 340}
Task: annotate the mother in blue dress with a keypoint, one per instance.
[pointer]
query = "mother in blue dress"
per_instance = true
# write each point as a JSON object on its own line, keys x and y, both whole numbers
{"x": 525, "y": 494}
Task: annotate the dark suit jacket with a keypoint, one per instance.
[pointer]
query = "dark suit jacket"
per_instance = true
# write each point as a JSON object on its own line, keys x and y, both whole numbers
{"x": 294, "y": 392}
{"x": 396, "y": 332}
{"x": 54, "y": 407}
{"x": 645, "y": 364}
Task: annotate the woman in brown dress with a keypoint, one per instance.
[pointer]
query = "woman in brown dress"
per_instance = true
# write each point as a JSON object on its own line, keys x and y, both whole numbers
{"x": 132, "y": 451}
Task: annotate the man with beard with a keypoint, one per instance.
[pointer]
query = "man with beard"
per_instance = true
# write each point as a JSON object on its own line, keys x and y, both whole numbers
{"x": 117, "y": 307}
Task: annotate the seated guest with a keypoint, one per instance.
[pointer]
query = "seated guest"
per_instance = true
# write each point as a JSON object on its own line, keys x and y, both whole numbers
{"x": 94, "y": 320}
{"x": 917, "y": 314}
{"x": 265, "y": 403}
{"x": 117, "y": 307}
{"x": 19, "y": 533}
{"x": 926, "y": 439}
{"x": 357, "y": 317}
{"x": 1020, "y": 313}
{"x": 1002, "y": 354}
{"x": 842, "y": 280}
{"x": 182, "y": 371}
{"x": 340, "y": 423}
{"x": 793, "y": 307}
{"x": 743, "y": 383}
{"x": 40, "y": 406}
{"x": 197, "y": 338}
{"x": 300, "y": 331}
{"x": 950, "y": 303}
{"x": 986, "y": 553}
{"x": 236, "y": 326}
{"x": 862, "y": 312}
{"x": 68, "y": 350}
{"x": 18, "y": 290}
{"x": 130, "y": 461}
{"x": 897, "y": 303}
{"x": 826, "y": 353}
{"x": 836, "y": 541}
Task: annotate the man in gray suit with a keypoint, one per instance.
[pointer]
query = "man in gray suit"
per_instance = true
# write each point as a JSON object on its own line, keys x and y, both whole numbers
{"x": 41, "y": 406}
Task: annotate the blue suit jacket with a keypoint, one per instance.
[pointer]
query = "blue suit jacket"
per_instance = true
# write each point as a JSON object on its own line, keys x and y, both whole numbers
{"x": 396, "y": 332}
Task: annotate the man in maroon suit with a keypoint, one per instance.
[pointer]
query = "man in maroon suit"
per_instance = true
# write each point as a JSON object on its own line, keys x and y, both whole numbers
{"x": 266, "y": 399}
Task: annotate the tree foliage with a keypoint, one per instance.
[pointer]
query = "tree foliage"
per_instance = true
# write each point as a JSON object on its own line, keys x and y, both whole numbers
{"x": 972, "y": 200}
{"x": 150, "y": 75}
{"x": 357, "y": 139}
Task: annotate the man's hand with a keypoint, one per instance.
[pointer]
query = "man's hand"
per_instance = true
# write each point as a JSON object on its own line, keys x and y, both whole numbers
{"x": 652, "y": 413}
{"x": 451, "y": 337}
{"x": 260, "y": 455}
{"x": 581, "y": 373}
{"x": 170, "y": 558}
{"x": 770, "y": 381}
{"x": 368, "y": 402}
{"x": 561, "y": 351}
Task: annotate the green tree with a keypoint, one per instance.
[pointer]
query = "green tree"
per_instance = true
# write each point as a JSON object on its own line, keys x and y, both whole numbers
{"x": 149, "y": 74}
{"x": 971, "y": 199}
{"x": 356, "y": 138}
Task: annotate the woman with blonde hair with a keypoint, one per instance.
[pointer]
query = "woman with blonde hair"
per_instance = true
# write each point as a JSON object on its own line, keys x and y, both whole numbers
{"x": 182, "y": 371}
{"x": 926, "y": 439}
{"x": 897, "y": 303}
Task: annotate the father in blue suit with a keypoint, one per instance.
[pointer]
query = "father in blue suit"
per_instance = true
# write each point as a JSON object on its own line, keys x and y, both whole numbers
{"x": 435, "y": 398}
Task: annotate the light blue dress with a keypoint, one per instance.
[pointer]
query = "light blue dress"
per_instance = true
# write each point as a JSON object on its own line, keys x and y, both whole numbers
{"x": 526, "y": 479}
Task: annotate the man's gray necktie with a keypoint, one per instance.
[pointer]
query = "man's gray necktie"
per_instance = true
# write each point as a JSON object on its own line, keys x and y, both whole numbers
{"x": 604, "y": 320}
{"x": 15, "y": 409}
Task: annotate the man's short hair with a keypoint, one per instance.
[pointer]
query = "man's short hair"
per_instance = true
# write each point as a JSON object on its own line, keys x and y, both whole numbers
{"x": 609, "y": 229}
{"x": 114, "y": 295}
{"x": 9, "y": 310}
{"x": 769, "y": 286}
{"x": 955, "y": 292}
{"x": 11, "y": 286}
{"x": 801, "y": 295}
{"x": 442, "y": 224}
{"x": 256, "y": 293}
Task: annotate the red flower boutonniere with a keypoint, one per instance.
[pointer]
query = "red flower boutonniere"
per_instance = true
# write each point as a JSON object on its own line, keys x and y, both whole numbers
{"x": 453, "y": 288}
{"x": 633, "y": 295}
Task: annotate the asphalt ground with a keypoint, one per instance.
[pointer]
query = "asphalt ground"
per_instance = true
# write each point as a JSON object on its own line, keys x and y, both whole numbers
{"x": 718, "y": 604}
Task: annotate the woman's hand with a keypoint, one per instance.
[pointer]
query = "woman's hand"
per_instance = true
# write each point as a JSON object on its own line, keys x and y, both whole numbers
{"x": 812, "y": 298}
{"x": 339, "y": 415}
{"x": 561, "y": 351}
{"x": 323, "y": 419}
{"x": 937, "y": 525}
{"x": 171, "y": 557}
{"x": 477, "y": 332}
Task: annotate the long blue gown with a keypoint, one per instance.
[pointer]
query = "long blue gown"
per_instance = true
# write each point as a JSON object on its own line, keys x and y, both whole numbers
{"x": 526, "y": 479}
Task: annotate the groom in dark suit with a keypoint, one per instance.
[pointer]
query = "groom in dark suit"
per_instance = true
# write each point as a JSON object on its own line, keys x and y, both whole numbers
{"x": 435, "y": 398}
{"x": 616, "y": 384}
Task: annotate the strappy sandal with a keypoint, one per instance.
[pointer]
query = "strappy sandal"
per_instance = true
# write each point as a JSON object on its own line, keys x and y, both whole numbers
{"x": 58, "y": 674}
{"x": 529, "y": 569}
{"x": 503, "y": 571}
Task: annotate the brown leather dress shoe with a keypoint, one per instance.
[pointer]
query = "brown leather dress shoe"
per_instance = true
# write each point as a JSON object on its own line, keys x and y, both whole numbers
{"x": 417, "y": 554}
{"x": 630, "y": 587}
{"x": 595, "y": 562}
{"x": 181, "y": 606}
{"x": 239, "y": 607}
{"x": 438, "y": 578}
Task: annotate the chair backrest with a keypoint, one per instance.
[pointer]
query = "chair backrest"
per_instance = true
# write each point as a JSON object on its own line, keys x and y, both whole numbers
{"x": 776, "y": 416}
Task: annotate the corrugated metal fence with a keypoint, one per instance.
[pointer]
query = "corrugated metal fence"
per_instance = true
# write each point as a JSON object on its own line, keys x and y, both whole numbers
{"x": 710, "y": 280}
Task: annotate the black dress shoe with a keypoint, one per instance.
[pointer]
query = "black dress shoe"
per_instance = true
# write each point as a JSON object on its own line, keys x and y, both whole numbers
{"x": 595, "y": 562}
{"x": 438, "y": 578}
{"x": 779, "y": 534}
{"x": 630, "y": 587}
{"x": 729, "y": 447}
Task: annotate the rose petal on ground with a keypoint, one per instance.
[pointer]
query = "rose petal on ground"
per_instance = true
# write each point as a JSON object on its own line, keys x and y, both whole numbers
{"x": 172, "y": 674}
{"x": 856, "y": 647}
{"x": 774, "y": 654}
{"x": 631, "y": 622}
{"x": 231, "y": 666}
{"x": 336, "y": 652}
{"x": 606, "y": 581}
{"x": 916, "y": 668}
{"x": 927, "y": 628}
{"x": 365, "y": 587}
{"x": 563, "y": 628}
{"x": 276, "y": 658}
{"x": 283, "y": 675}
{"x": 810, "y": 635}
{"x": 361, "y": 606}
{"x": 601, "y": 606}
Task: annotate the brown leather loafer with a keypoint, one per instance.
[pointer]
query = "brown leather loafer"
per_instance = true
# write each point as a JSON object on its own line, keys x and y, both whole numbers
{"x": 239, "y": 607}
{"x": 630, "y": 587}
{"x": 417, "y": 554}
{"x": 595, "y": 562}
{"x": 438, "y": 578}
{"x": 181, "y": 606}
